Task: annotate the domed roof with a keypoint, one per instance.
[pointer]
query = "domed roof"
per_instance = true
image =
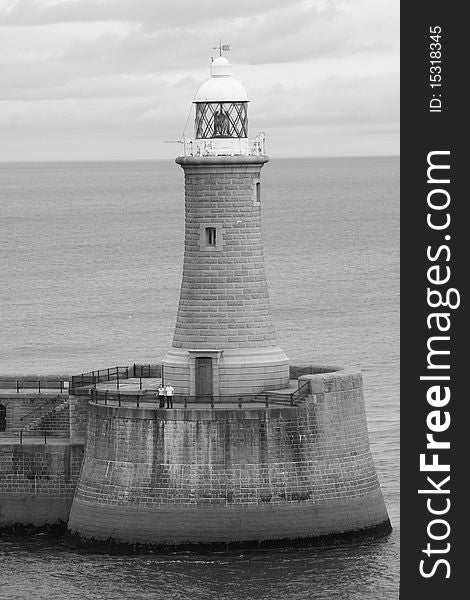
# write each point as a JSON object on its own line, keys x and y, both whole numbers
{"x": 220, "y": 67}
{"x": 221, "y": 87}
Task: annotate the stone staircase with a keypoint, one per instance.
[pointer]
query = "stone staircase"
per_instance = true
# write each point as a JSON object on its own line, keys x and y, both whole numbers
{"x": 55, "y": 421}
{"x": 34, "y": 415}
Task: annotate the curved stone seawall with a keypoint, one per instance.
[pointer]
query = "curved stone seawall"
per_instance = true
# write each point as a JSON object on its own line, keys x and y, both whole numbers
{"x": 177, "y": 477}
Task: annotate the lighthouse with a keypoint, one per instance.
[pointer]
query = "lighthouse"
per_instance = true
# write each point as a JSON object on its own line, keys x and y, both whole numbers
{"x": 280, "y": 453}
{"x": 224, "y": 342}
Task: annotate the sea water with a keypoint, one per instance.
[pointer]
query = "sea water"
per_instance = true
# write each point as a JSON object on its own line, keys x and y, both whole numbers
{"x": 91, "y": 260}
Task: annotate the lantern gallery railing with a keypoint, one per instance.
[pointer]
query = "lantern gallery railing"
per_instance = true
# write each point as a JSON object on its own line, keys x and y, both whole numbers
{"x": 225, "y": 146}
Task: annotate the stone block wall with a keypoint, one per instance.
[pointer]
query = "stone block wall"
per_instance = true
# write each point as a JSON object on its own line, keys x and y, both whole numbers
{"x": 37, "y": 482}
{"x": 25, "y": 410}
{"x": 78, "y": 415}
{"x": 231, "y": 476}
{"x": 224, "y": 302}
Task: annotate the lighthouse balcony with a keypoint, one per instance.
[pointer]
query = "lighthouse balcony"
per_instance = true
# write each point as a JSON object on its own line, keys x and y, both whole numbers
{"x": 225, "y": 146}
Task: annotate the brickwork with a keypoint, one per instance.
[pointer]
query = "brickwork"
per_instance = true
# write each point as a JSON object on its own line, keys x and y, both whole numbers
{"x": 192, "y": 476}
{"x": 78, "y": 415}
{"x": 224, "y": 300}
{"x": 37, "y": 482}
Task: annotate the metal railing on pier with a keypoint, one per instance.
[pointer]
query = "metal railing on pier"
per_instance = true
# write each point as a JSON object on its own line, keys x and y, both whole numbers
{"x": 302, "y": 391}
{"x": 34, "y": 385}
{"x": 93, "y": 377}
{"x": 148, "y": 397}
{"x": 116, "y": 374}
{"x": 43, "y": 434}
{"x": 146, "y": 370}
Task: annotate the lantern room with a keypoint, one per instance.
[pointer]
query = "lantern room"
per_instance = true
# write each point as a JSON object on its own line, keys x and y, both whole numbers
{"x": 221, "y": 105}
{"x": 221, "y": 122}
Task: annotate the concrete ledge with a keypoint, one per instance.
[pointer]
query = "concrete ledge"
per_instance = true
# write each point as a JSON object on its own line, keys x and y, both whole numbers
{"x": 221, "y": 160}
{"x": 182, "y": 526}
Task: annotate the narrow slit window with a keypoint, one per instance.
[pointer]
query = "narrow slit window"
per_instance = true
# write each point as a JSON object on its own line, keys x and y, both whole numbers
{"x": 3, "y": 417}
{"x": 256, "y": 190}
{"x": 211, "y": 236}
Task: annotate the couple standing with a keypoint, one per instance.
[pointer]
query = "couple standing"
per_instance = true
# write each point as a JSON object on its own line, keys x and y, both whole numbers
{"x": 165, "y": 392}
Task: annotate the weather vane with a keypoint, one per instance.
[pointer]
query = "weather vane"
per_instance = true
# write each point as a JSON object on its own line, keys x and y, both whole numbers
{"x": 222, "y": 48}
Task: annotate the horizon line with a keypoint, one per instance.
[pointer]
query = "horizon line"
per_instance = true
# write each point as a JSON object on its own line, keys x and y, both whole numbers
{"x": 104, "y": 160}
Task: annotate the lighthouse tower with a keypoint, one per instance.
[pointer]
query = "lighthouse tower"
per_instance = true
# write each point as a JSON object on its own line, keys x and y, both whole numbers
{"x": 245, "y": 471}
{"x": 224, "y": 342}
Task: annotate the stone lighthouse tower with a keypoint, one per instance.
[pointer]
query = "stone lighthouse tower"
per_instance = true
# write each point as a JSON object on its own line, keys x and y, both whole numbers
{"x": 250, "y": 471}
{"x": 224, "y": 342}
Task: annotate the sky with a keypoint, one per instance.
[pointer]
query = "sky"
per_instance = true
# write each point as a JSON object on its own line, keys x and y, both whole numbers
{"x": 115, "y": 79}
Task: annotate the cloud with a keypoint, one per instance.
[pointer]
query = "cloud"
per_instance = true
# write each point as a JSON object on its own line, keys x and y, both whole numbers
{"x": 103, "y": 71}
{"x": 260, "y": 32}
{"x": 153, "y": 13}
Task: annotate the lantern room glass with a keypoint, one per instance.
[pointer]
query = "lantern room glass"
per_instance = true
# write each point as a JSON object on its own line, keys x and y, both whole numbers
{"x": 221, "y": 120}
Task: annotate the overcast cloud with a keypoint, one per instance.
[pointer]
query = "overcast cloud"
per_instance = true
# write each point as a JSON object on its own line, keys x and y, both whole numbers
{"x": 114, "y": 79}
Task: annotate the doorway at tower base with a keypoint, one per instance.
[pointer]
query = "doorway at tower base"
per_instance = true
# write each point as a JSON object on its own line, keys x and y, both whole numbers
{"x": 226, "y": 372}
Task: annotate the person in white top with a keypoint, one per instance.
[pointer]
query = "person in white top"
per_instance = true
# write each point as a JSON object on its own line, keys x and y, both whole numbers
{"x": 161, "y": 396}
{"x": 169, "y": 390}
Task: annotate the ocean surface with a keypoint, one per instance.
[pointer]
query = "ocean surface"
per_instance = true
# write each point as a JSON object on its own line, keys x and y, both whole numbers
{"x": 91, "y": 261}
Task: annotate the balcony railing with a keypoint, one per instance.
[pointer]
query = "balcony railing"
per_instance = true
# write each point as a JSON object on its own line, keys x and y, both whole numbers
{"x": 225, "y": 146}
